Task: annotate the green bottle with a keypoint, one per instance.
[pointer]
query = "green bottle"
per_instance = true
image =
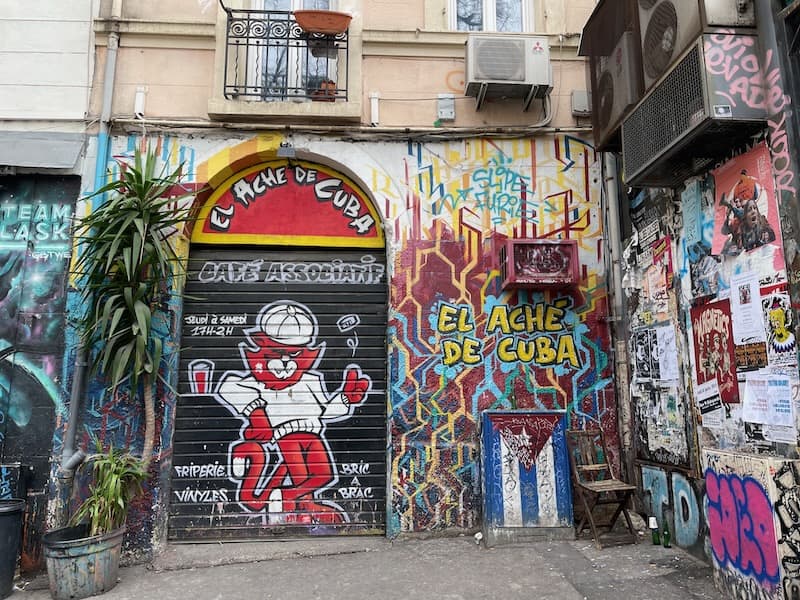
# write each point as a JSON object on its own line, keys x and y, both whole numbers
{"x": 653, "y": 524}
{"x": 665, "y": 536}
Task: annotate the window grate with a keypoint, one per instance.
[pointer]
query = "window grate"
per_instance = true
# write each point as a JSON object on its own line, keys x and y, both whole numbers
{"x": 269, "y": 57}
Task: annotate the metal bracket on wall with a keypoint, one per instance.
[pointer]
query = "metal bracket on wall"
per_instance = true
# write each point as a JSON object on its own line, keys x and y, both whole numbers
{"x": 481, "y": 96}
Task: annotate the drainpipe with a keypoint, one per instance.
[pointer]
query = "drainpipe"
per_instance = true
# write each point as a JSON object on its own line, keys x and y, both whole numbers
{"x": 108, "y": 95}
{"x": 71, "y": 458}
{"x": 617, "y": 313}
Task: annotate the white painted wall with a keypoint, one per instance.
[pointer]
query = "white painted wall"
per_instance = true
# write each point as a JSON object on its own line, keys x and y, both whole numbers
{"x": 46, "y": 58}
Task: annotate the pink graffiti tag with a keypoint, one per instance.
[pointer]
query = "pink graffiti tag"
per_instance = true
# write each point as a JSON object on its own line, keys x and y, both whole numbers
{"x": 741, "y": 526}
{"x": 734, "y": 58}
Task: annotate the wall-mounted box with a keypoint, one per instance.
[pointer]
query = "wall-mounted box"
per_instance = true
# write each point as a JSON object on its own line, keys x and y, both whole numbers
{"x": 532, "y": 263}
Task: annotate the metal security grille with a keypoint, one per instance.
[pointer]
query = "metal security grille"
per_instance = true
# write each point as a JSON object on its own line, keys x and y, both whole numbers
{"x": 674, "y": 107}
{"x": 269, "y": 57}
{"x": 281, "y": 422}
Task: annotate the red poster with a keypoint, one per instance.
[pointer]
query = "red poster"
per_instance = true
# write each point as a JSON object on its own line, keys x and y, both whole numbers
{"x": 714, "y": 356}
{"x": 746, "y": 213}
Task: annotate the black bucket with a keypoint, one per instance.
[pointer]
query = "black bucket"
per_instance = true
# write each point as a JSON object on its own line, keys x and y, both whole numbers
{"x": 11, "y": 512}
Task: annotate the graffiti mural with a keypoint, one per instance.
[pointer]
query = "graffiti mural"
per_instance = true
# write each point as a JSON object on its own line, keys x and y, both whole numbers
{"x": 525, "y": 468}
{"x": 460, "y": 344}
{"x": 787, "y": 508}
{"x": 673, "y": 497}
{"x": 741, "y": 513}
{"x": 281, "y": 421}
{"x": 282, "y": 401}
{"x": 35, "y": 239}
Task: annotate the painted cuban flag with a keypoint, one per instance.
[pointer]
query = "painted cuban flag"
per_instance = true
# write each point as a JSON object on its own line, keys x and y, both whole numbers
{"x": 526, "y": 477}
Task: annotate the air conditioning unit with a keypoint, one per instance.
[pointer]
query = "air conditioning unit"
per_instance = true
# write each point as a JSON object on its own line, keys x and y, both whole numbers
{"x": 538, "y": 263}
{"x": 668, "y": 27}
{"x": 615, "y": 87}
{"x": 730, "y": 13}
{"x": 689, "y": 120}
{"x": 507, "y": 66}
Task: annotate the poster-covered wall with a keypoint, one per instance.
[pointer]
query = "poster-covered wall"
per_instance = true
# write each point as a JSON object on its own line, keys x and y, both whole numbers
{"x": 733, "y": 360}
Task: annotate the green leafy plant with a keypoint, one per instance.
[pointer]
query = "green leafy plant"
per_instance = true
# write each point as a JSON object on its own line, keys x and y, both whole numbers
{"x": 126, "y": 262}
{"x": 116, "y": 479}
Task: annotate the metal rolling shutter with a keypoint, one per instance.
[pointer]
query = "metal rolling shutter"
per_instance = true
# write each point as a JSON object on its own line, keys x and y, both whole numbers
{"x": 226, "y": 288}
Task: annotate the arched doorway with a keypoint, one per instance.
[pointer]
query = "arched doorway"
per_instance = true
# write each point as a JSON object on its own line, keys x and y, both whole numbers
{"x": 280, "y": 428}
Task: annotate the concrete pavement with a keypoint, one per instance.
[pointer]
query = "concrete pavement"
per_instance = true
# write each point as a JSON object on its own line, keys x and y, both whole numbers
{"x": 454, "y": 568}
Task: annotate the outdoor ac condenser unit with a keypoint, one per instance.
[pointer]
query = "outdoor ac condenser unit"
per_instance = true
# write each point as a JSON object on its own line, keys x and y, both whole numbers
{"x": 688, "y": 120}
{"x": 615, "y": 87}
{"x": 507, "y": 66}
{"x": 668, "y": 27}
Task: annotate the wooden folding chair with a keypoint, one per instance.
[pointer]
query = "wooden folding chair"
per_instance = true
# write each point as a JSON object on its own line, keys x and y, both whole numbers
{"x": 595, "y": 482}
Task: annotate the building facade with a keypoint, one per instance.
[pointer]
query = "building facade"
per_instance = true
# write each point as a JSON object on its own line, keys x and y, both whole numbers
{"x": 354, "y": 296}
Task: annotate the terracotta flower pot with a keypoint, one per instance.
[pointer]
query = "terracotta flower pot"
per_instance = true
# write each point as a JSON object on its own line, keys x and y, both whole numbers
{"x": 328, "y": 22}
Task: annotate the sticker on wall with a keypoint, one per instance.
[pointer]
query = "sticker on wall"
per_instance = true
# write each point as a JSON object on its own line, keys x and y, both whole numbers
{"x": 710, "y": 404}
{"x": 289, "y": 202}
{"x": 781, "y": 342}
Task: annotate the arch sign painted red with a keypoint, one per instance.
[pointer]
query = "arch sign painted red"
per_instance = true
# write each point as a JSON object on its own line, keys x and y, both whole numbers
{"x": 295, "y": 203}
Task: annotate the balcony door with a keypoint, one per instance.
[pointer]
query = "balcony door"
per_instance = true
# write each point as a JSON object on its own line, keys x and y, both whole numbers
{"x": 289, "y": 70}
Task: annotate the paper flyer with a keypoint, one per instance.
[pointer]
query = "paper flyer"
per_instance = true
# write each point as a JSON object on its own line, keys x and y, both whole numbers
{"x": 692, "y": 213}
{"x": 707, "y": 398}
{"x": 667, "y": 353}
{"x": 713, "y": 348}
{"x": 768, "y": 399}
{"x": 749, "y": 334}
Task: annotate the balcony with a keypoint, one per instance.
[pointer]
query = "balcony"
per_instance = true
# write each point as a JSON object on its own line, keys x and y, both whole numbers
{"x": 270, "y": 66}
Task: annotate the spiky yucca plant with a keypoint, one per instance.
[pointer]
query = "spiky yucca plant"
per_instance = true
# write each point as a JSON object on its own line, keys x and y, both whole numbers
{"x": 116, "y": 480}
{"x": 126, "y": 258}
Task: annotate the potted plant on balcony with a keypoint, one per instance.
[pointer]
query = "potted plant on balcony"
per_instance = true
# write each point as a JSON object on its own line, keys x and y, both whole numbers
{"x": 126, "y": 259}
{"x": 328, "y": 22}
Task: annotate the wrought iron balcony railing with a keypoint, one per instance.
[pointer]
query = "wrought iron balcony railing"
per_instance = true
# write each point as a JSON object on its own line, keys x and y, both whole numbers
{"x": 269, "y": 57}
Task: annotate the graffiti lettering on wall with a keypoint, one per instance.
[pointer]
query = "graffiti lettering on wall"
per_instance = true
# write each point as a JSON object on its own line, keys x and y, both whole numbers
{"x": 282, "y": 461}
{"x": 741, "y": 528}
{"x": 446, "y": 361}
{"x": 35, "y": 218}
{"x": 368, "y": 271}
{"x": 681, "y": 503}
{"x": 787, "y": 508}
{"x": 7, "y": 479}
{"x": 548, "y": 341}
{"x": 203, "y": 471}
{"x": 507, "y": 185}
{"x": 735, "y": 59}
{"x": 41, "y": 223}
